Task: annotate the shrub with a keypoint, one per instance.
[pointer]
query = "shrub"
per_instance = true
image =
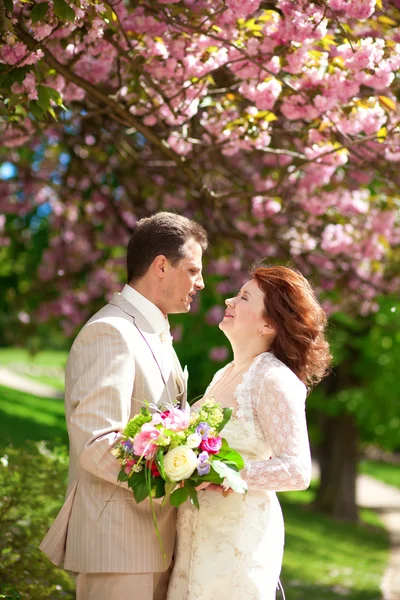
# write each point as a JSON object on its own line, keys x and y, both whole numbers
{"x": 32, "y": 486}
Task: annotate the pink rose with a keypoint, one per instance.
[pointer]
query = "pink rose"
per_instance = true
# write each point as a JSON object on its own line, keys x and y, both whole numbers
{"x": 177, "y": 420}
{"x": 143, "y": 442}
{"x": 211, "y": 445}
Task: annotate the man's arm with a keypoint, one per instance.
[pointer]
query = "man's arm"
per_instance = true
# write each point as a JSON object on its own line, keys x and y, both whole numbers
{"x": 102, "y": 370}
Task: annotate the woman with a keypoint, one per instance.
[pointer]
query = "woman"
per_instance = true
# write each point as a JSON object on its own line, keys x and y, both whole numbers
{"x": 232, "y": 547}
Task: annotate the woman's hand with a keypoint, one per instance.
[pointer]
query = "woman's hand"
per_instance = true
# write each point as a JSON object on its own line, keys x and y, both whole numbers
{"x": 214, "y": 487}
{"x": 203, "y": 486}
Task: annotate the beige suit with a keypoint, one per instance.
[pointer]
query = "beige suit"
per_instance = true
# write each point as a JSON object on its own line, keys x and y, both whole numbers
{"x": 110, "y": 369}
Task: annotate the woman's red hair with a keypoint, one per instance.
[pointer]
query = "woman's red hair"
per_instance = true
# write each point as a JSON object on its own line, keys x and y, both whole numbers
{"x": 300, "y": 322}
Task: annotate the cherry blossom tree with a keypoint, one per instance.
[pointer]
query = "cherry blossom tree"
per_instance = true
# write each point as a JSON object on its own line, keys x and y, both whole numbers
{"x": 275, "y": 124}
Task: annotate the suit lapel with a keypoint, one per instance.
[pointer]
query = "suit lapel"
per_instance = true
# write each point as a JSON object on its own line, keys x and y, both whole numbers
{"x": 153, "y": 340}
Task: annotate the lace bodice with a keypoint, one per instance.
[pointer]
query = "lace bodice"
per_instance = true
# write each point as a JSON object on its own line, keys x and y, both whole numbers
{"x": 271, "y": 408}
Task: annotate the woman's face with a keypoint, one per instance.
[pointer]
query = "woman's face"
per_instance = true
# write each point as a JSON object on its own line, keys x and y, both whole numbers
{"x": 245, "y": 313}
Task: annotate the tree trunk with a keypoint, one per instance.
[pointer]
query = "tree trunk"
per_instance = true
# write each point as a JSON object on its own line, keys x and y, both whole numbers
{"x": 338, "y": 459}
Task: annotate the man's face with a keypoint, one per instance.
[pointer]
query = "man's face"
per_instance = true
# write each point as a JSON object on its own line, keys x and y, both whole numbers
{"x": 183, "y": 280}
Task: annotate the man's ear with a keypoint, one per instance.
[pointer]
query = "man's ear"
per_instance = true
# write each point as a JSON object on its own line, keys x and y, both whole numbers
{"x": 160, "y": 265}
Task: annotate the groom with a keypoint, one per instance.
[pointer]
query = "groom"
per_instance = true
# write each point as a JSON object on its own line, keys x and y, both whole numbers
{"x": 122, "y": 356}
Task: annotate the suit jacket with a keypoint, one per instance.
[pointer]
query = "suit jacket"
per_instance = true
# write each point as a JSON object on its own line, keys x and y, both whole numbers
{"x": 110, "y": 369}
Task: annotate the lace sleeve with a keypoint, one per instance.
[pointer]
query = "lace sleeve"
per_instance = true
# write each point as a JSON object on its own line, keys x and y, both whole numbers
{"x": 279, "y": 408}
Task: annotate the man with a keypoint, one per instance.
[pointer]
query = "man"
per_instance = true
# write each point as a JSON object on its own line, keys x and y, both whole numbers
{"x": 122, "y": 356}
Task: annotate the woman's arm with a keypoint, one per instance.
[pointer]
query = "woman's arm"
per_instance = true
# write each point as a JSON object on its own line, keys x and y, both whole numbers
{"x": 280, "y": 411}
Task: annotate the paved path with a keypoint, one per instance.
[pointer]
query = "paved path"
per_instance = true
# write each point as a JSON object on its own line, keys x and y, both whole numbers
{"x": 371, "y": 493}
{"x": 385, "y": 499}
{"x": 13, "y": 380}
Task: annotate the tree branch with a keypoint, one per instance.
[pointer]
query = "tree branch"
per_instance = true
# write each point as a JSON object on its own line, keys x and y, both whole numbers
{"x": 119, "y": 113}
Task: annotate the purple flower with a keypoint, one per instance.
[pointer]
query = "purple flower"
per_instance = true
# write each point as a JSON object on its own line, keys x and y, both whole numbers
{"x": 127, "y": 444}
{"x": 203, "y": 430}
{"x": 203, "y": 466}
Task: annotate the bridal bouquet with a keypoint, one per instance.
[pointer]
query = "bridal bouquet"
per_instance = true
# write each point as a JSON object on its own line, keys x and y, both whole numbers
{"x": 171, "y": 449}
{"x": 167, "y": 454}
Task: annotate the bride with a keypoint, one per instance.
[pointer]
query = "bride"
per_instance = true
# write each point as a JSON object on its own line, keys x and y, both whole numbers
{"x": 232, "y": 547}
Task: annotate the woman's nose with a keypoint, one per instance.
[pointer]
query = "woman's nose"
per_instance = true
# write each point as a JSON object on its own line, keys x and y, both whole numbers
{"x": 229, "y": 301}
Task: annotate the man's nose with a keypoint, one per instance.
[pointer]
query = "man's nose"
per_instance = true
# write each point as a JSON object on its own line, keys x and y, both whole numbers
{"x": 200, "y": 283}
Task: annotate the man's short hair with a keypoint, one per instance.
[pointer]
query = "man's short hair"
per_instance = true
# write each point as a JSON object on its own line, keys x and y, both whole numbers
{"x": 163, "y": 233}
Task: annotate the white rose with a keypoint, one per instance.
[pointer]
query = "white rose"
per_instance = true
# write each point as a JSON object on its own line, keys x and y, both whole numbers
{"x": 180, "y": 463}
{"x": 193, "y": 440}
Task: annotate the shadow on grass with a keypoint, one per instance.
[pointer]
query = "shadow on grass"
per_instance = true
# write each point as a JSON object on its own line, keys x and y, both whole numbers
{"x": 26, "y": 417}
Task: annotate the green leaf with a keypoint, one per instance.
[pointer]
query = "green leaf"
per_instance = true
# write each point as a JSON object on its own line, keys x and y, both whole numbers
{"x": 159, "y": 459}
{"x": 43, "y": 97}
{"x": 193, "y": 495}
{"x": 138, "y": 485}
{"x": 16, "y": 76}
{"x": 160, "y": 487}
{"x": 227, "y": 416}
{"x": 39, "y": 12}
{"x": 52, "y": 112}
{"x": 63, "y": 11}
{"x": 228, "y": 455}
{"x": 179, "y": 496}
{"x": 9, "y": 5}
{"x": 122, "y": 476}
{"x": 13, "y": 100}
{"x": 35, "y": 109}
{"x": 212, "y": 477}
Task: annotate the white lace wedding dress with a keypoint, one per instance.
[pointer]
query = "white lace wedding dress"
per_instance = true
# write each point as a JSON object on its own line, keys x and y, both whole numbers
{"x": 232, "y": 548}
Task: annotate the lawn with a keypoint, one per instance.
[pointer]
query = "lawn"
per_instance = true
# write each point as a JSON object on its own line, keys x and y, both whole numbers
{"x": 26, "y": 417}
{"x": 46, "y": 366}
{"x": 324, "y": 559}
{"x": 386, "y": 472}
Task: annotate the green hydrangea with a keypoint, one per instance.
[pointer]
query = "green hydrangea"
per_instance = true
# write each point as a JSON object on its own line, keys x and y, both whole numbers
{"x": 135, "y": 424}
{"x": 211, "y": 413}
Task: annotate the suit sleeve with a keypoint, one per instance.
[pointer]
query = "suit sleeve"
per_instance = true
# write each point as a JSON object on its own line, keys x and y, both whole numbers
{"x": 103, "y": 371}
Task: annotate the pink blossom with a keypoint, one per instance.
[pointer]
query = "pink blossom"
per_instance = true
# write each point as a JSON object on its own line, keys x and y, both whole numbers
{"x": 264, "y": 94}
{"x": 337, "y": 238}
{"x": 215, "y": 314}
{"x": 242, "y": 8}
{"x": 357, "y": 9}
{"x": 28, "y": 86}
{"x": 297, "y": 107}
{"x": 41, "y": 30}
{"x": 177, "y": 420}
{"x": 263, "y": 207}
{"x": 12, "y": 54}
{"x": 128, "y": 465}
{"x": 218, "y": 353}
{"x": 143, "y": 444}
{"x": 304, "y": 21}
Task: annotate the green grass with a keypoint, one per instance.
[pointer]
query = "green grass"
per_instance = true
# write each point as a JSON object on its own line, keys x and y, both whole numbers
{"x": 386, "y": 472}
{"x": 55, "y": 382}
{"x": 325, "y": 559}
{"x": 19, "y": 360}
{"x": 26, "y": 417}
{"x": 45, "y": 358}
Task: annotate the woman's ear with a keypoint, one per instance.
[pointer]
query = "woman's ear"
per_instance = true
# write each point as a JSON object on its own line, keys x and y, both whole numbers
{"x": 268, "y": 328}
